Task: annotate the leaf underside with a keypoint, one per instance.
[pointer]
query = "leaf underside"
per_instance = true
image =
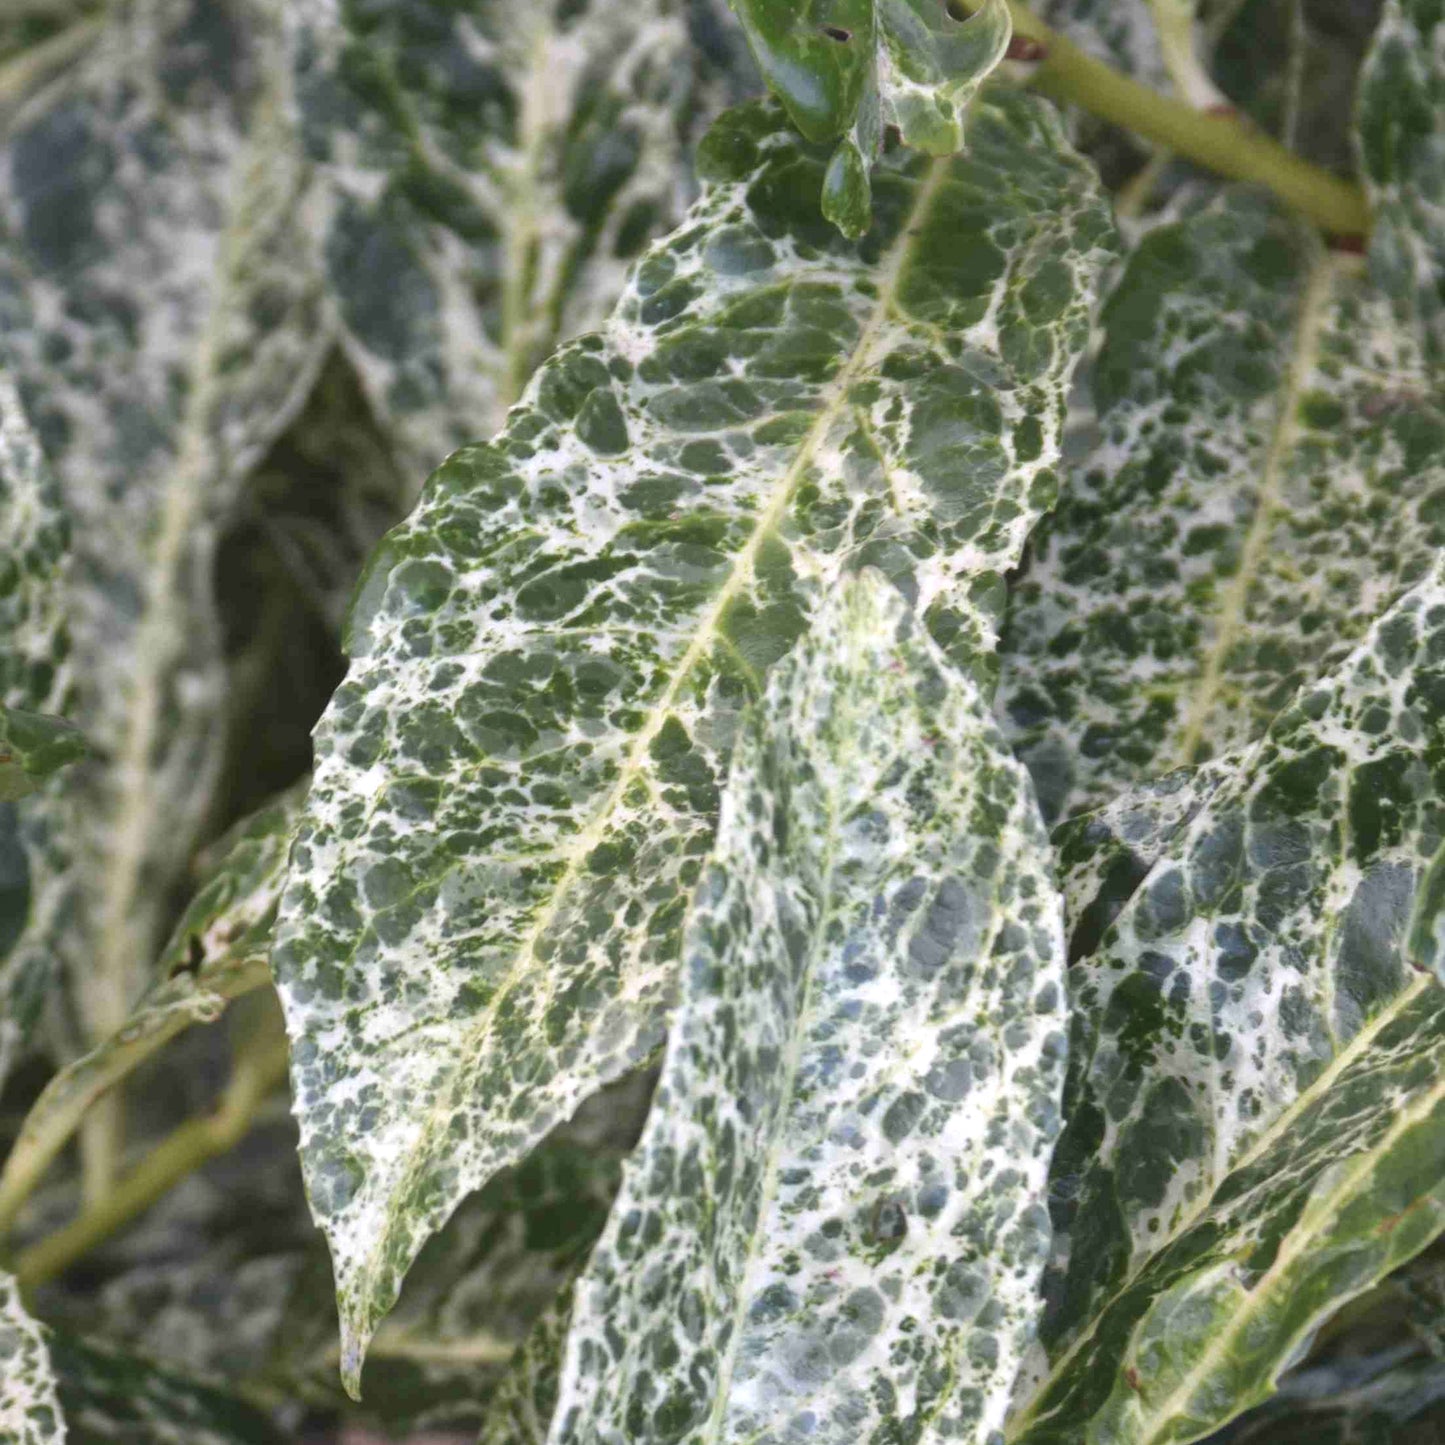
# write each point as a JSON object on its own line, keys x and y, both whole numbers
{"x": 517, "y": 784}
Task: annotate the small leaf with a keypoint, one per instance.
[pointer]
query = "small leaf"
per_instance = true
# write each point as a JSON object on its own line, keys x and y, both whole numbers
{"x": 33, "y": 746}
{"x": 1266, "y": 483}
{"x": 836, "y": 1213}
{"x": 1402, "y": 156}
{"x": 517, "y": 784}
{"x": 846, "y": 69}
{"x": 1256, "y": 1102}
{"x": 29, "y": 1404}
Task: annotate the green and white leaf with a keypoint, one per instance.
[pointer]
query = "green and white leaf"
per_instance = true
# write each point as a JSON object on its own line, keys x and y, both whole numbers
{"x": 220, "y": 950}
{"x": 846, "y": 69}
{"x": 1104, "y": 856}
{"x": 488, "y": 174}
{"x": 1122, "y": 33}
{"x": 157, "y": 316}
{"x": 54, "y": 1387}
{"x": 1401, "y": 134}
{"x": 1270, "y": 477}
{"x": 835, "y": 1222}
{"x": 29, "y": 1405}
{"x": 470, "y": 1300}
{"x": 33, "y": 747}
{"x": 1402, "y": 1405}
{"x": 107, "y": 1396}
{"x": 35, "y": 677}
{"x": 517, "y": 785}
{"x": 1256, "y": 1106}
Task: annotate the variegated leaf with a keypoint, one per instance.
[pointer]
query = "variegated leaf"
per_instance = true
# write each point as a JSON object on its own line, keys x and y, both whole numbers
{"x": 835, "y": 1223}
{"x": 470, "y": 1300}
{"x": 110, "y": 1398}
{"x": 35, "y": 676}
{"x": 1122, "y": 33}
{"x": 1103, "y": 856}
{"x": 157, "y": 314}
{"x": 1270, "y": 477}
{"x": 29, "y": 1405}
{"x": 220, "y": 949}
{"x": 846, "y": 69}
{"x": 1403, "y": 1404}
{"x": 54, "y": 1388}
{"x": 1256, "y": 1106}
{"x": 1402, "y": 156}
{"x": 33, "y": 746}
{"x": 517, "y": 784}
{"x": 490, "y": 171}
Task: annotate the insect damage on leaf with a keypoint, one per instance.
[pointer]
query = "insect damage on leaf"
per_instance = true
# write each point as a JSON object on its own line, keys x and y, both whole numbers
{"x": 835, "y": 1219}
{"x": 1256, "y": 1105}
{"x": 846, "y": 70}
{"x": 517, "y": 784}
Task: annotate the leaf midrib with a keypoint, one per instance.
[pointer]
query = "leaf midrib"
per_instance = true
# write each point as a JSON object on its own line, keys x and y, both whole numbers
{"x": 1343, "y": 1060}
{"x": 1319, "y": 289}
{"x": 1321, "y": 1212}
{"x": 476, "y": 1037}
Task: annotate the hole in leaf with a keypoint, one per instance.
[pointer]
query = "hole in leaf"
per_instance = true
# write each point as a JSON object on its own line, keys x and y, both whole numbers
{"x": 836, "y": 32}
{"x": 957, "y": 10}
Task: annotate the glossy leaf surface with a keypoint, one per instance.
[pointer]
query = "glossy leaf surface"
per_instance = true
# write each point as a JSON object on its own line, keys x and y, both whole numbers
{"x": 517, "y": 784}
{"x": 846, "y": 69}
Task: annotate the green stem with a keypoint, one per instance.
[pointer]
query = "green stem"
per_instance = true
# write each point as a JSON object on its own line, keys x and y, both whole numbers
{"x": 1221, "y": 143}
{"x": 71, "y": 1094}
{"x": 183, "y": 1152}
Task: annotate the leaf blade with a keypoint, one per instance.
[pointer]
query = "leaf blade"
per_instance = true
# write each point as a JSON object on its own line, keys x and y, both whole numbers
{"x": 1255, "y": 1105}
{"x": 1261, "y": 491}
{"x": 29, "y": 1402}
{"x": 652, "y": 602}
{"x": 805, "y": 1195}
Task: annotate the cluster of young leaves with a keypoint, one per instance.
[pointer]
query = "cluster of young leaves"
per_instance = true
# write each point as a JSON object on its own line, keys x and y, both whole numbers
{"x": 684, "y": 714}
